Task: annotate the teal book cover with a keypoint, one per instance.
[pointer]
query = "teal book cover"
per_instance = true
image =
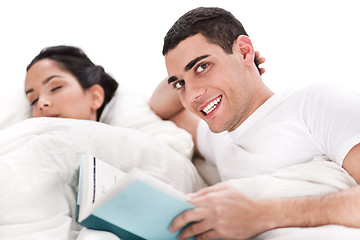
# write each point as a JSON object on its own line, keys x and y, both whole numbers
{"x": 135, "y": 206}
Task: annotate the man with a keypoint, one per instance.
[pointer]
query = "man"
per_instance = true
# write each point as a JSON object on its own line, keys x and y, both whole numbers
{"x": 249, "y": 130}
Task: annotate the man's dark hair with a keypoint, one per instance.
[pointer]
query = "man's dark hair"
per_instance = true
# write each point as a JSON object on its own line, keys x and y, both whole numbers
{"x": 75, "y": 61}
{"x": 217, "y": 25}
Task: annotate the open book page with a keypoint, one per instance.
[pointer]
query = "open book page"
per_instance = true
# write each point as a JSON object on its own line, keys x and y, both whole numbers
{"x": 96, "y": 177}
{"x": 106, "y": 176}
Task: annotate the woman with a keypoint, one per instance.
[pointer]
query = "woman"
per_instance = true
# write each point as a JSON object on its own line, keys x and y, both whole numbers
{"x": 61, "y": 81}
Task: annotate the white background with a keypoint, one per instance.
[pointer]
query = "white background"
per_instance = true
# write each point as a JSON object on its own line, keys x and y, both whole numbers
{"x": 303, "y": 41}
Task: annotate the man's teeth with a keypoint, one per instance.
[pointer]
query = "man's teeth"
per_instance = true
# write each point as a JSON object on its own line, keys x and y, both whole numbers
{"x": 211, "y": 106}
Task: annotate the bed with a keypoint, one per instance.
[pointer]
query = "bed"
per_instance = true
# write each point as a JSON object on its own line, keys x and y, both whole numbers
{"x": 39, "y": 160}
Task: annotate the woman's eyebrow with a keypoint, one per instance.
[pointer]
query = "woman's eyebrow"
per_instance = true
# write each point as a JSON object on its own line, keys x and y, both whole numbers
{"x": 44, "y": 82}
{"x": 49, "y": 78}
{"x": 29, "y": 91}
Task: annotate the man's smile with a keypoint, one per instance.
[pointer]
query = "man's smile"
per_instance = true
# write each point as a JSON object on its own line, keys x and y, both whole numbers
{"x": 211, "y": 106}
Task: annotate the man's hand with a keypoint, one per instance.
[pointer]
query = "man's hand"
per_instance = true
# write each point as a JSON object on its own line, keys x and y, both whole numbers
{"x": 222, "y": 212}
{"x": 261, "y": 60}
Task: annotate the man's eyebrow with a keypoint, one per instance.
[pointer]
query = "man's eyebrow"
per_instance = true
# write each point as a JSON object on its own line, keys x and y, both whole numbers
{"x": 44, "y": 82}
{"x": 191, "y": 64}
{"x": 188, "y": 66}
{"x": 172, "y": 79}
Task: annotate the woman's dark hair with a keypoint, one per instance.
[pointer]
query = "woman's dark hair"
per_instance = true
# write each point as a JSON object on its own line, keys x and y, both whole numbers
{"x": 75, "y": 61}
{"x": 217, "y": 25}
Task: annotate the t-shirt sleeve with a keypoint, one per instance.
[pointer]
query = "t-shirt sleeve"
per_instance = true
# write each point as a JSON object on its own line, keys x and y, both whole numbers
{"x": 332, "y": 114}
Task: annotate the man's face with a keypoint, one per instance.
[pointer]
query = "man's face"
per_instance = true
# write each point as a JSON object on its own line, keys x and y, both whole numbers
{"x": 212, "y": 84}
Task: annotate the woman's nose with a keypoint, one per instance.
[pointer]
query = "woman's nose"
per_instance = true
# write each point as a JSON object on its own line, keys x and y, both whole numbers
{"x": 44, "y": 103}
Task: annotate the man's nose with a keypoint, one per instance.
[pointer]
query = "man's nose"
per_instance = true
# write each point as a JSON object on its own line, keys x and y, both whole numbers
{"x": 194, "y": 91}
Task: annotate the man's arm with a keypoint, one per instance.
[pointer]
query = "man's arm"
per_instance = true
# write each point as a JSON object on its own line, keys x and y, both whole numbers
{"x": 351, "y": 163}
{"x": 166, "y": 103}
{"x": 223, "y": 212}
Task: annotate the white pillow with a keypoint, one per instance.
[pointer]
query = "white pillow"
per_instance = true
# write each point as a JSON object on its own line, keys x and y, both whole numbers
{"x": 126, "y": 109}
{"x": 130, "y": 109}
{"x": 15, "y": 106}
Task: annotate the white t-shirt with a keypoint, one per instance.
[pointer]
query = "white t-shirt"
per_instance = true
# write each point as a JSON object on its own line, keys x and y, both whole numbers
{"x": 289, "y": 128}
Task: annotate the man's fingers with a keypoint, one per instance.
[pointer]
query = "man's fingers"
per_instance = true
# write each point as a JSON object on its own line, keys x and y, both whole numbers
{"x": 195, "y": 229}
{"x": 188, "y": 216}
{"x": 261, "y": 60}
{"x": 211, "y": 234}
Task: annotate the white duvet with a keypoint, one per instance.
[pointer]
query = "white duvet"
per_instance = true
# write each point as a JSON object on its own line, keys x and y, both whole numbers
{"x": 39, "y": 160}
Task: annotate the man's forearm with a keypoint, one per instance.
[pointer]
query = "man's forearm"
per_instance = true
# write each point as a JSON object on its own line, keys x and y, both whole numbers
{"x": 342, "y": 208}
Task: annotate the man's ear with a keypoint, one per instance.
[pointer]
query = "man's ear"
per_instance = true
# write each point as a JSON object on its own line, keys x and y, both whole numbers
{"x": 244, "y": 45}
{"x": 97, "y": 95}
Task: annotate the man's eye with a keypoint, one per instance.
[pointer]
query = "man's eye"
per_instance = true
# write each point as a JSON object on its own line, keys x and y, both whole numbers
{"x": 201, "y": 67}
{"x": 179, "y": 84}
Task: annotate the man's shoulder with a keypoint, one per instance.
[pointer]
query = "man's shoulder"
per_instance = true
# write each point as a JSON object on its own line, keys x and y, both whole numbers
{"x": 329, "y": 90}
{"x": 326, "y": 88}
{"x": 319, "y": 90}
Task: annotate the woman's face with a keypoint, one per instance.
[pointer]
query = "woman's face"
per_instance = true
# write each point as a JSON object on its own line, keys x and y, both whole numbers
{"x": 54, "y": 92}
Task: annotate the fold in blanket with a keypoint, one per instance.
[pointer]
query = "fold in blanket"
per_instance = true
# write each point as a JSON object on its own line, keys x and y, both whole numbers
{"x": 39, "y": 161}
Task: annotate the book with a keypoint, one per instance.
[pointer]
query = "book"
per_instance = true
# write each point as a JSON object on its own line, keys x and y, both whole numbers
{"x": 131, "y": 205}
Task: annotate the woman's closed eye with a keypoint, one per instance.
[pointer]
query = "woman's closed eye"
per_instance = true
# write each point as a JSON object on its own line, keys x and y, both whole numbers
{"x": 34, "y": 101}
{"x": 56, "y": 88}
